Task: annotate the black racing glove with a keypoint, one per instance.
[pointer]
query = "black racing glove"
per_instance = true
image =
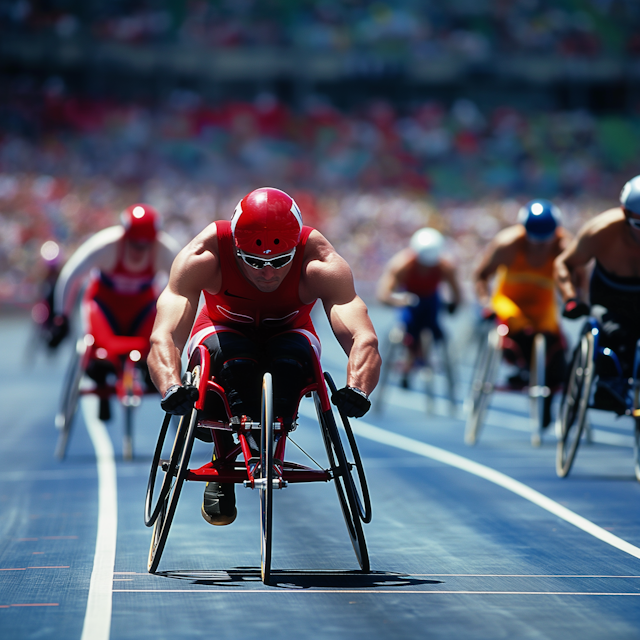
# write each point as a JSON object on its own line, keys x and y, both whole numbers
{"x": 179, "y": 399}
{"x": 451, "y": 307}
{"x": 58, "y": 330}
{"x": 353, "y": 402}
{"x": 574, "y": 308}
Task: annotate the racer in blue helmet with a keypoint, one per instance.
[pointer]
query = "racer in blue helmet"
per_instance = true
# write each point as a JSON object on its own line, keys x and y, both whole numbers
{"x": 540, "y": 219}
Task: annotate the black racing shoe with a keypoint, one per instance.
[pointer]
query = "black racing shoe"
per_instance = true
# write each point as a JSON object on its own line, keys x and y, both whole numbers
{"x": 219, "y": 503}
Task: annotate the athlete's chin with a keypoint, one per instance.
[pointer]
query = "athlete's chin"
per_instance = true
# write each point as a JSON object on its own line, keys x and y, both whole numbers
{"x": 267, "y": 287}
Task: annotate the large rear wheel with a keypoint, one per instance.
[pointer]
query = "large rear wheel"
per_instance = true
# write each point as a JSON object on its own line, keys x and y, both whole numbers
{"x": 482, "y": 385}
{"x": 70, "y": 397}
{"x": 266, "y": 479}
{"x": 344, "y": 484}
{"x": 575, "y": 401}
{"x": 182, "y": 452}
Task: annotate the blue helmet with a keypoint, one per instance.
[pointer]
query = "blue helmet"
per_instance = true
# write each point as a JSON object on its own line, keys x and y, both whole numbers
{"x": 630, "y": 196}
{"x": 540, "y": 218}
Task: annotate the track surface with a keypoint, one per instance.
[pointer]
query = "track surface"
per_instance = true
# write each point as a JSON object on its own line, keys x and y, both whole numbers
{"x": 455, "y": 552}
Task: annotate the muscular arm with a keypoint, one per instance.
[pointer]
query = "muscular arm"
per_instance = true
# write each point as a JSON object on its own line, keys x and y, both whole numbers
{"x": 391, "y": 280}
{"x": 176, "y": 312}
{"x": 570, "y": 265}
{"x": 330, "y": 279}
{"x": 501, "y": 251}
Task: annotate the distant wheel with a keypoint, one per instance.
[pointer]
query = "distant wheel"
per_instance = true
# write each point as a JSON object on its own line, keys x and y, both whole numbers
{"x": 449, "y": 375}
{"x": 266, "y": 479}
{"x": 358, "y": 479}
{"x": 482, "y": 385}
{"x": 70, "y": 396}
{"x": 344, "y": 484}
{"x": 636, "y": 412}
{"x": 538, "y": 391}
{"x": 179, "y": 464}
{"x": 392, "y": 348}
{"x": 574, "y": 405}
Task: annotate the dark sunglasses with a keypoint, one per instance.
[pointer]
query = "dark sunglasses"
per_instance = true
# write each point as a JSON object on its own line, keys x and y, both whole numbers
{"x": 277, "y": 262}
{"x": 634, "y": 222}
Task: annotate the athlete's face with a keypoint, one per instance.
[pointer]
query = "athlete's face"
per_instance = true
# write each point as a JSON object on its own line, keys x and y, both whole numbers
{"x": 267, "y": 278}
{"x": 633, "y": 220}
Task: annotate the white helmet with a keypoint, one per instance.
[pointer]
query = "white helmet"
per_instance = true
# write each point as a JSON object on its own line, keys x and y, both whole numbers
{"x": 630, "y": 196}
{"x": 428, "y": 245}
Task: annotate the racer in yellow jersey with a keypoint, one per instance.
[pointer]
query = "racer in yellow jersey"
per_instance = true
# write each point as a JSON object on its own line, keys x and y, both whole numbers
{"x": 521, "y": 258}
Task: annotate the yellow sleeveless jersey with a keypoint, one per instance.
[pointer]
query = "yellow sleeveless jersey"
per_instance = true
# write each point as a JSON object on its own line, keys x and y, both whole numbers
{"x": 524, "y": 296}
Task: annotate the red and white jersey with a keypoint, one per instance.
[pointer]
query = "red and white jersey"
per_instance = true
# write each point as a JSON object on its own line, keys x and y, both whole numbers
{"x": 242, "y": 306}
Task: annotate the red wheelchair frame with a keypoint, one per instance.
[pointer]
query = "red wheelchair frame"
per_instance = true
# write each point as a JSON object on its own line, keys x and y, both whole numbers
{"x": 123, "y": 353}
{"x": 267, "y": 472}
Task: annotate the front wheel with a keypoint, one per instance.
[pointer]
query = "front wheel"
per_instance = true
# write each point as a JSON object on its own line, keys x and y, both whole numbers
{"x": 266, "y": 479}
{"x": 575, "y": 401}
{"x": 344, "y": 484}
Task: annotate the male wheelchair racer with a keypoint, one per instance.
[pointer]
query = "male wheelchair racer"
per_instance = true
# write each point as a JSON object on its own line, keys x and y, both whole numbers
{"x": 106, "y": 365}
{"x": 590, "y": 385}
{"x": 496, "y": 345}
{"x": 265, "y": 472}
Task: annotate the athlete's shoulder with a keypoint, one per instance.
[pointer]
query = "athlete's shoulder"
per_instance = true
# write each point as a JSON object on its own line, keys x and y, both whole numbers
{"x": 606, "y": 222}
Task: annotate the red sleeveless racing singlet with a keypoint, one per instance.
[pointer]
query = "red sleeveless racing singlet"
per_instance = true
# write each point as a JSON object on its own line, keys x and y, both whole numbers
{"x": 242, "y": 306}
{"x": 422, "y": 280}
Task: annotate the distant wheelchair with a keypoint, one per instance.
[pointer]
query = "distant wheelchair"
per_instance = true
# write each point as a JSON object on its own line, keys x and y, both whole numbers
{"x": 436, "y": 359}
{"x": 266, "y": 472}
{"x": 122, "y": 358}
{"x": 485, "y": 375}
{"x": 578, "y": 396}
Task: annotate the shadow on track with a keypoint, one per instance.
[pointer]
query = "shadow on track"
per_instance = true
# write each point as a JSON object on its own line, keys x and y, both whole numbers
{"x": 299, "y": 579}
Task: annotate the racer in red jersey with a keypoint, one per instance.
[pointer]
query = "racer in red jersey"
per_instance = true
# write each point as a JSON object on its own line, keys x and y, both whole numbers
{"x": 412, "y": 282}
{"x": 260, "y": 275}
{"x": 118, "y": 267}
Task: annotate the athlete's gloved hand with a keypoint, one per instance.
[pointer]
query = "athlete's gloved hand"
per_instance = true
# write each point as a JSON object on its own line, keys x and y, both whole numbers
{"x": 574, "y": 308}
{"x": 179, "y": 399}
{"x": 353, "y": 402}
{"x": 451, "y": 307}
{"x": 58, "y": 330}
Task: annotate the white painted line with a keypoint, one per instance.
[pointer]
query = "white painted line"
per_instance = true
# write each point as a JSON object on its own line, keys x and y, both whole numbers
{"x": 97, "y": 619}
{"x": 371, "y": 432}
{"x": 368, "y": 591}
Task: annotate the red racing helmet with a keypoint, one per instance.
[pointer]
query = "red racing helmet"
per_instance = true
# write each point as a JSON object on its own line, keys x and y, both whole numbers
{"x": 266, "y": 222}
{"x": 141, "y": 222}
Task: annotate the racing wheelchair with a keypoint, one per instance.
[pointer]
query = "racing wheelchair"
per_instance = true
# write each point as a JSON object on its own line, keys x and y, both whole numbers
{"x": 120, "y": 361}
{"x": 266, "y": 472}
{"x": 485, "y": 374}
{"x": 435, "y": 358}
{"x": 579, "y": 395}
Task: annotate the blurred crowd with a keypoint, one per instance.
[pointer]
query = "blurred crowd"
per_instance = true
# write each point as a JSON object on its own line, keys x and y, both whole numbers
{"x": 472, "y": 28}
{"x": 366, "y": 178}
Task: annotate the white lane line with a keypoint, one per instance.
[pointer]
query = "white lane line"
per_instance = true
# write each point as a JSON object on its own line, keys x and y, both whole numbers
{"x": 371, "y": 432}
{"x": 368, "y": 591}
{"x": 97, "y": 619}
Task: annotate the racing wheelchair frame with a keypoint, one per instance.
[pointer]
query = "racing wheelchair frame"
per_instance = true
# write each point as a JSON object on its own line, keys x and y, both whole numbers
{"x": 577, "y": 397}
{"x": 483, "y": 383}
{"x": 266, "y": 472}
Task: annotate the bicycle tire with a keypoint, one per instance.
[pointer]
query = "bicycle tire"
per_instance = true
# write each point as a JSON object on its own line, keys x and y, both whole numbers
{"x": 482, "y": 385}
{"x": 343, "y": 483}
{"x": 170, "y": 502}
{"x": 69, "y": 398}
{"x": 363, "y": 499}
{"x": 538, "y": 390}
{"x": 266, "y": 473}
{"x": 574, "y": 405}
